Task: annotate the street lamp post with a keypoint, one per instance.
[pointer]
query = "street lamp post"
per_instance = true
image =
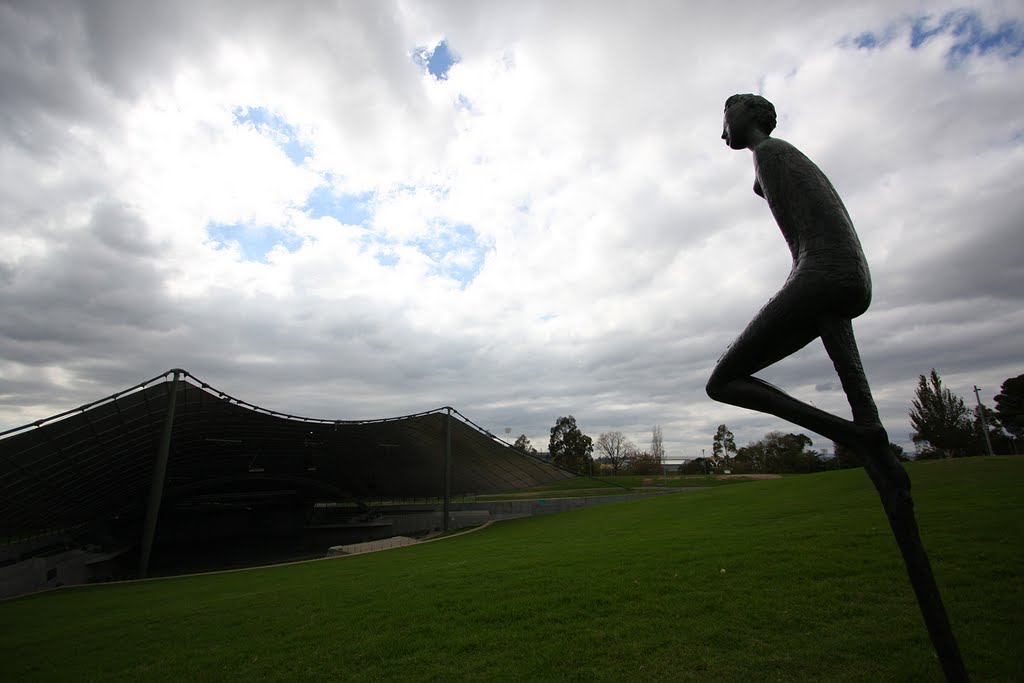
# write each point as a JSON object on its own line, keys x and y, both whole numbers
{"x": 984, "y": 422}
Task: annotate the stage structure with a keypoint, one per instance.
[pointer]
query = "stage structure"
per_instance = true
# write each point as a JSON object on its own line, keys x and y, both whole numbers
{"x": 175, "y": 438}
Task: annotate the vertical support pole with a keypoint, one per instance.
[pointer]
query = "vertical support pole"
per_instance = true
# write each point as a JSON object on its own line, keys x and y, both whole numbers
{"x": 447, "y": 468}
{"x": 156, "y": 489}
{"x": 893, "y": 486}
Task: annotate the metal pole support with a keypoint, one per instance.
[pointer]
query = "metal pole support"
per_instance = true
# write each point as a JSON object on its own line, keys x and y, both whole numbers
{"x": 156, "y": 489}
{"x": 447, "y": 469}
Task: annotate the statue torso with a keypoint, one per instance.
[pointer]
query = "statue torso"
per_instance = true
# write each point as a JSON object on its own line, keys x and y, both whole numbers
{"x": 813, "y": 220}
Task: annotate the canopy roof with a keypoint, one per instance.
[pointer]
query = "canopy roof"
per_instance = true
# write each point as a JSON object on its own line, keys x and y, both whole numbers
{"x": 97, "y": 461}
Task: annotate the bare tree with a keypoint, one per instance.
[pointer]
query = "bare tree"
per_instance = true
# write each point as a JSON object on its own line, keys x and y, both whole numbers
{"x": 657, "y": 445}
{"x": 615, "y": 448}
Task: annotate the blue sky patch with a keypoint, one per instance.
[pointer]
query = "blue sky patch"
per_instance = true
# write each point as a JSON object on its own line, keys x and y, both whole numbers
{"x": 457, "y": 251}
{"x": 277, "y": 129}
{"x": 254, "y": 242}
{"x": 972, "y": 35}
{"x": 387, "y": 259}
{"x": 380, "y": 247}
{"x": 350, "y": 209}
{"x": 866, "y": 40}
{"x": 437, "y": 61}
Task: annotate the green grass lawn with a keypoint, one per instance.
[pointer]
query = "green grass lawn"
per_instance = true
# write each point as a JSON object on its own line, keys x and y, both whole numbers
{"x": 577, "y": 487}
{"x": 674, "y": 480}
{"x": 813, "y": 590}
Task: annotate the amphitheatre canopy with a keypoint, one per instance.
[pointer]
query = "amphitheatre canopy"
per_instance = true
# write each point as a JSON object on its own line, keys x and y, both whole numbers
{"x": 103, "y": 460}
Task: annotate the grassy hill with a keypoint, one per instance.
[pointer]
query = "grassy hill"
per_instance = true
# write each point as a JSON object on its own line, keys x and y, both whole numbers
{"x": 812, "y": 589}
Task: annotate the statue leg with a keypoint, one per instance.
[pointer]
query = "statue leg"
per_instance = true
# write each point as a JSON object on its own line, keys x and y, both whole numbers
{"x": 893, "y": 486}
{"x": 841, "y": 346}
{"x": 784, "y": 326}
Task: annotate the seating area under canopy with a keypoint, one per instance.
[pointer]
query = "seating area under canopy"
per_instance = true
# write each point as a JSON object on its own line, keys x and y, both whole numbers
{"x": 175, "y": 438}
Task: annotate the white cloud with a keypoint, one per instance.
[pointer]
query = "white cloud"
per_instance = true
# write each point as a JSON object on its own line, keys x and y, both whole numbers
{"x": 619, "y": 245}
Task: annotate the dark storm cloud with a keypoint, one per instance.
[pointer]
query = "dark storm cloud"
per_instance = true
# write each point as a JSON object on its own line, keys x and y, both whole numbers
{"x": 41, "y": 75}
{"x": 91, "y": 290}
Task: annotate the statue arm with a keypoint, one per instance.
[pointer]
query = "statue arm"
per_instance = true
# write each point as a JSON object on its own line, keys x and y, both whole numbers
{"x": 757, "y": 188}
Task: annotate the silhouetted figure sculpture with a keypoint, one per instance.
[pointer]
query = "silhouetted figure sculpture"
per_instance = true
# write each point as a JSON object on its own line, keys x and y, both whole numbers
{"x": 828, "y": 286}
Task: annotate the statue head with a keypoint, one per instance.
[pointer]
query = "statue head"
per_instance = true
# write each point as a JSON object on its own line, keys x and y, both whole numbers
{"x": 744, "y": 114}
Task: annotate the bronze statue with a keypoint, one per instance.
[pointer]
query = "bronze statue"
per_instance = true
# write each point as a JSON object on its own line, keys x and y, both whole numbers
{"x": 828, "y": 286}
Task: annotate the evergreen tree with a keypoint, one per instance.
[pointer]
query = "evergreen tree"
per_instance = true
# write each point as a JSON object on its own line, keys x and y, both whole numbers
{"x": 941, "y": 420}
{"x": 723, "y": 446}
{"x": 569, "y": 447}
{"x": 523, "y": 444}
{"x": 778, "y": 452}
{"x": 1010, "y": 406}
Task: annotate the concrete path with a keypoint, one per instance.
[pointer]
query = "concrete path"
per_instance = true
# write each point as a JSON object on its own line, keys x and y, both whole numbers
{"x": 372, "y": 546}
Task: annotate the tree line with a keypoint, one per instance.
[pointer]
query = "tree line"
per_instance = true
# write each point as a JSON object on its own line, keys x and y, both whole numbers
{"x": 943, "y": 427}
{"x": 776, "y": 452}
{"x": 573, "y": 450}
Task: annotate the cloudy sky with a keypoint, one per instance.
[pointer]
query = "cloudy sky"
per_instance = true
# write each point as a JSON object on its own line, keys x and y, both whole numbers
{"x": 520, "y": 209}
